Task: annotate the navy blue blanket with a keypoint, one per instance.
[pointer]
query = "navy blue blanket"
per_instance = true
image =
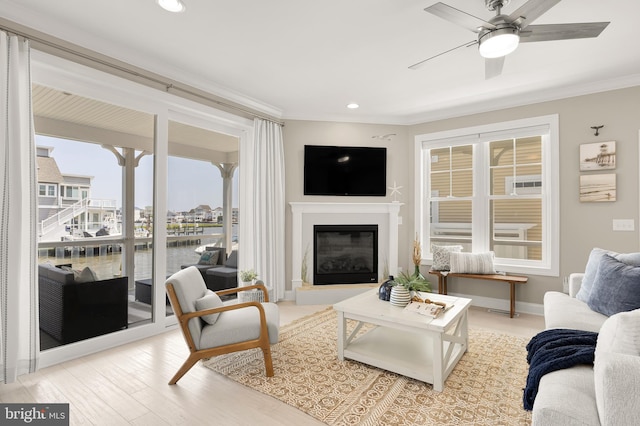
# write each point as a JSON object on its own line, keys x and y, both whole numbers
{"x": 555, "y": 349}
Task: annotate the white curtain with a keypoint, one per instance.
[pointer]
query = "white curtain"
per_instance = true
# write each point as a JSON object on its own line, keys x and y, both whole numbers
{"x": 19, "y": 330}
{"x": 262, "y": 233}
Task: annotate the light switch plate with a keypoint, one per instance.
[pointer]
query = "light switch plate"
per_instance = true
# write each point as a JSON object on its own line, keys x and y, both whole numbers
{"x": 623, "y": 225}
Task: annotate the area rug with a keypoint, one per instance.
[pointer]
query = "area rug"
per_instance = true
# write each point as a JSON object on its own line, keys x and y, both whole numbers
{"x": 485, "y": 388}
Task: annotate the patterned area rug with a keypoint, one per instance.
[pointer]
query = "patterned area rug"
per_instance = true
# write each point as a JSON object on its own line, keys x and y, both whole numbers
{"x": 485, "y": 388}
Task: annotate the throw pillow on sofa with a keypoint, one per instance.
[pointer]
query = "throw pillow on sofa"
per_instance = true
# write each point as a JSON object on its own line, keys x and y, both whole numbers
{"x": 616, "y": 287}
{"x": 592, "y": 267}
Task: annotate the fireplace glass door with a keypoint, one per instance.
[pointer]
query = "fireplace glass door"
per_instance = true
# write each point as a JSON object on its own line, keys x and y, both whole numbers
{"x": 345, "y": 254}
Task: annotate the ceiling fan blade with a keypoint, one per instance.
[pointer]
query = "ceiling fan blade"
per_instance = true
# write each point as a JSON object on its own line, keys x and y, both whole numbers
{"x": 451, "y": 14}
{"x": 530, "y": 11}
{"x": 561, "y": 31}
{"x": 421, "y": 63}
{"x": 493, "y": 67}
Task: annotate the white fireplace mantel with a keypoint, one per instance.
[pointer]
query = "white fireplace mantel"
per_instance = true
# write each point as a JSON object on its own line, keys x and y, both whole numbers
{"x": 307, "y": 214}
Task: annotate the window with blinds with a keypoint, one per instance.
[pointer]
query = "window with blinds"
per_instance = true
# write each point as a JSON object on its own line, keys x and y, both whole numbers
{"x": 493, "y": 188}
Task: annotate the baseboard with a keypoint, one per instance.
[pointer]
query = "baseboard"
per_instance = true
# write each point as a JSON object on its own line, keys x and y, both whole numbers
{"x": 502, "y": 304}
{"x": 330, "y": 294}
{"x": 329, "y": 297}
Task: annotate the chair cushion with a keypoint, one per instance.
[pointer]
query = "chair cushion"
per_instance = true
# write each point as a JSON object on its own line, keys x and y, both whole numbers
{"x": 616, "y": 287}
{"x": 472, "y": 263}
{"x": 240, "y": 325}
{"x": 209, "y": 258}
{"x": 442, "y": 257}
{"x": 189, "y": 287}
{"x": 208, "y": 301}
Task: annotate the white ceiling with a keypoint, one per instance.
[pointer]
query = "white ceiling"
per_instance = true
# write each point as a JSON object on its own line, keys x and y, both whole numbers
{"x": 297, "y": 59}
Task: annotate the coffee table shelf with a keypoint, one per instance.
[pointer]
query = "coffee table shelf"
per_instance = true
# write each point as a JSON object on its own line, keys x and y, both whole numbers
{"x": 403, "y": 342}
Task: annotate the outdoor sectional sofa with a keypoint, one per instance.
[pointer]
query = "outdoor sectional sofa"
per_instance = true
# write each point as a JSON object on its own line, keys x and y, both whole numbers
{"x": 604, "y": 392}
{"x": 72, "y": 310}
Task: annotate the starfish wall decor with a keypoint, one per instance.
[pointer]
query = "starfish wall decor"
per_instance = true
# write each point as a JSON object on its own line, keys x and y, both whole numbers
{"x": 395, "y": 191}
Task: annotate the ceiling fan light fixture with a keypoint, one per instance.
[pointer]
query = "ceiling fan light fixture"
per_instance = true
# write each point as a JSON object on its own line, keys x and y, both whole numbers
{"x": 176, "y": 6}
{"x": 498, "y": 43}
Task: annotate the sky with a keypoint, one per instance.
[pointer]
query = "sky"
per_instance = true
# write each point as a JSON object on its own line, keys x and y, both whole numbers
{"x": 191, "y": 182}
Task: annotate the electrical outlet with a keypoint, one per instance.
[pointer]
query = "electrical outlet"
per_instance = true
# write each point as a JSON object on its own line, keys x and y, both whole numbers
{"x": 565, "y": 285}
{"x": 623, "y": 225}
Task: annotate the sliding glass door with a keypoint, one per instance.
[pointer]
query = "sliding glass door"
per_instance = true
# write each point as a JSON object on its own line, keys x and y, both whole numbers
{"x": 95, "y": 164}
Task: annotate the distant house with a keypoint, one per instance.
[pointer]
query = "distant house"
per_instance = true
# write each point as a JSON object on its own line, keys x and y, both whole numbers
{"x": 64, "y": 201}
{"x": 49, "y": 182}
{"x": 200, "y": 213}
{"x": 216, "y": 215}
{"x": 171, "y": 217}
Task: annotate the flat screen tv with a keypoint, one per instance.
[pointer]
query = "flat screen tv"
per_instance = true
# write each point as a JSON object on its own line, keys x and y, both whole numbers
{"x": 345, "y": 170}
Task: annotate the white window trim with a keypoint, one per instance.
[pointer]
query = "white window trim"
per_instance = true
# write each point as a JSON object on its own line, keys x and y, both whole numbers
{"x": 47, "y": 187}
{"x": 550, "y": 265}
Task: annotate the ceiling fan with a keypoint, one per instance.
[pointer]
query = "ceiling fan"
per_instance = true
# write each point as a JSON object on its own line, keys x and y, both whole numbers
{"x": 501, "y": 34}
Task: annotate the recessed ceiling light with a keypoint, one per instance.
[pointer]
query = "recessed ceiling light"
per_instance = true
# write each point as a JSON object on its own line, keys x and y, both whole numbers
{"x": 172, "y": 5}
{"x": 353, "y": 105}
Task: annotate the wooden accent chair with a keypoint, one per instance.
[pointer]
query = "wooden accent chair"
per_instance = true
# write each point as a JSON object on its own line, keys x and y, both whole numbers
{"x": 212, "y": 328}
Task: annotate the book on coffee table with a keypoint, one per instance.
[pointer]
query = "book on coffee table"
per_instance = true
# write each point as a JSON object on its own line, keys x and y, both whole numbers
{"x": 433, "y": 310}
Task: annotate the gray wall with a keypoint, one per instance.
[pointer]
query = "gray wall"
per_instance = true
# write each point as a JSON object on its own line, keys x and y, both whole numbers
{"x": 582, "y": 225}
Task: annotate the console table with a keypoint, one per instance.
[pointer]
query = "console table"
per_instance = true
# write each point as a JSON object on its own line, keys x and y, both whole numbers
{"x": 511, "y": 279}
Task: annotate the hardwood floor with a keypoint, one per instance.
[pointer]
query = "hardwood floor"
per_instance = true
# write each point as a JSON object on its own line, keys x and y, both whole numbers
{"x": 128, "y": 385}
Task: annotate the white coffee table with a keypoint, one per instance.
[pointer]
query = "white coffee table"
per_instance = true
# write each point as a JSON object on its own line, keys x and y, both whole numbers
{"x": 404, "y": 342}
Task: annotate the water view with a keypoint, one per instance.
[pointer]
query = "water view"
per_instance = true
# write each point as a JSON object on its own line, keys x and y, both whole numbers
{"x": 106, "y": 259}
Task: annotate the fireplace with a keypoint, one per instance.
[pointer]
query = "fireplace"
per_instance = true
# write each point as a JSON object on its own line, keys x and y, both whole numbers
{"x": 345, "y": 254}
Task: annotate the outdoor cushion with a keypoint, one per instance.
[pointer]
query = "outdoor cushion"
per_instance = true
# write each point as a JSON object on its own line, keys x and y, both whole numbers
{"x": 209, "y": 258}
{"x": 85, "y": 275}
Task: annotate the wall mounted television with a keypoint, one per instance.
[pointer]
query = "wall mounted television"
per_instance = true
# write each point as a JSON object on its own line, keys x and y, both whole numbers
{"x": 345, "y": 170}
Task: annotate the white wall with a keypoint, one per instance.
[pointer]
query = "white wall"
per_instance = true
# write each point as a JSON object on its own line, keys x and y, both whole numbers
{"x": 582, "y": 225}
{"x": 297, "y": 134}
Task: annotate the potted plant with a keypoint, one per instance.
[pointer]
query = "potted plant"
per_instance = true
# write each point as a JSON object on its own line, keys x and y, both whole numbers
{"x": 404, "y": 284}
{"x": 247, "y": 277}
{"x": 413, "y": 282}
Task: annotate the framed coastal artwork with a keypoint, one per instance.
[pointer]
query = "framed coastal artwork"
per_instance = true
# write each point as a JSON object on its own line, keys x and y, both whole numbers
{"x": 598, "y": 187}
{"x": 597, "y": 156}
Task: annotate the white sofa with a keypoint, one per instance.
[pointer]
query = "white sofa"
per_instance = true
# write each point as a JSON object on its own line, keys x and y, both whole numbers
{"x": 605, "y": 393}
